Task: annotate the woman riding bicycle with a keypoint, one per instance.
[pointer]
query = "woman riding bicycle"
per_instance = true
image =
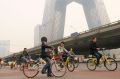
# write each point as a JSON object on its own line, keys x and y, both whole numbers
{"x": 94, "y": 49}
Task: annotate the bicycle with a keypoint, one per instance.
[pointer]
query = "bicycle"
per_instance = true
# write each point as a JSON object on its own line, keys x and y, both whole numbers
{"x": 108, "y": 62}
{"x": 32, "y": 68}
{"x": 61, "y": 66}
{"x": 75, "y": 59}
{"x": 70, "y": 64}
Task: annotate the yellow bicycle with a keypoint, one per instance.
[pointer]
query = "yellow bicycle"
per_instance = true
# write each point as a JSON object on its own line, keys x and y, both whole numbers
{"x": 108, "y": 62}
{"x": 60, "y": 65}
{"x": 13, "y": 64}
{"x": 70, "y": 64}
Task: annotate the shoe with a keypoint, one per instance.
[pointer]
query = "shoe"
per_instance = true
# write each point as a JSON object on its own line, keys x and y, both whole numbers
{"x": 49, "y": 75}
{"x": 43, "y": 72}
{"x": 97, "y": 64}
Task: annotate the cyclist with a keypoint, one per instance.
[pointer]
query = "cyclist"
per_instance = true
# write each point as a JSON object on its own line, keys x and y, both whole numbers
{"x": 14, "y": 58}
{"x": 46, "y": 57}
{"x": 71, "y": 52}
{"x": 62, "y": 51}
{"x": 94, "y": 49}
{"x": 25, "y": 56}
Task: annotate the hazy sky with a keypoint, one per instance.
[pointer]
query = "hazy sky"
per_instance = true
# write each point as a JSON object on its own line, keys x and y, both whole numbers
{"x": 19, "y": 17}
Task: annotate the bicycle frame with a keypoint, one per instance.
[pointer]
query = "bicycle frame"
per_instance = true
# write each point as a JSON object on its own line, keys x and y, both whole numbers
{"x": 103, "y": 58}
{"x": 67, "y": 60}
{"x": 91, "y": 63}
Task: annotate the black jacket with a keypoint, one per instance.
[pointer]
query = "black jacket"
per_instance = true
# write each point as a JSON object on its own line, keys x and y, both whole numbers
{"x": 93, "y": 47}
{"x": 44, "y": 46}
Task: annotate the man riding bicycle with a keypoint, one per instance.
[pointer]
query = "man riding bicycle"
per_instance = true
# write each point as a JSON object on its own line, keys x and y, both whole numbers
{"x": 14, "y": 58}
{"x": 94, "y": 49}
{"x": 45, "y": 55}
{"x": 62, "y": 52}
{"x": 25, "y": 56}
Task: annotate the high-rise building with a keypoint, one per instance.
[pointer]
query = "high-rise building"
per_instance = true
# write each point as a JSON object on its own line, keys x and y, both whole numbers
{"x": 39, "y": 32}
{"x": 4, "y": 48}
{"x": 37, "y": 35}
{"x": 54, "y": 16}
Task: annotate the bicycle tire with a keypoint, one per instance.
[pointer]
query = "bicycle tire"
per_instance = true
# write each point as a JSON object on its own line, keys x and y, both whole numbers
{"x": 113, "y": 60}
{"x": 30, "y": 76}
{"x": 55, "y": 74}
{"x": 72, "y": 64}
{"x": 76, "y": 63}
{"x": 91, "y": 61}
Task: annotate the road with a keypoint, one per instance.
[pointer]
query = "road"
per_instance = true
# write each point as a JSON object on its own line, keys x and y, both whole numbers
{"x": 80, "y": 73}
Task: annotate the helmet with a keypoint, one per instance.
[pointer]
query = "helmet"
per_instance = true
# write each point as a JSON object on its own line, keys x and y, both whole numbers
{"x": 44, "y": 39}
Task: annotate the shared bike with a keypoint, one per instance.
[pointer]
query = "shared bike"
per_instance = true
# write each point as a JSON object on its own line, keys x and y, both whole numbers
{"x": 32, "y": 68}
{"x": 60, "y": 66}
{"x": 108, "y": 62}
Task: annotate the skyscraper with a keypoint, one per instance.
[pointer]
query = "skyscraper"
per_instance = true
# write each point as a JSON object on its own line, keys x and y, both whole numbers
{"x": 54, "y": 16}
{"x": 37, "y": 35}
{"x": 39, "y": 32}
{"x": 4, "y": 48}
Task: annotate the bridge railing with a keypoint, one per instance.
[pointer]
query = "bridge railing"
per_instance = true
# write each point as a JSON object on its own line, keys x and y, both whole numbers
{"x": 93, "y": 29}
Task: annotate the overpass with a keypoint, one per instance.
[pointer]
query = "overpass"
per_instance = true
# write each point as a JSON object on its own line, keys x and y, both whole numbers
{"x": 108, "y": 37}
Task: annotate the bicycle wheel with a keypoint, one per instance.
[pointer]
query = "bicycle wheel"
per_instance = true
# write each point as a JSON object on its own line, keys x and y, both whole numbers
{"x": 91, "y": 65}
{"x": 31, "y": 70}
{"x": 110, "y": 64}
{"x": 71, "y": 66}
{"x": 58, "y": 69}
{"x": 76, "y": 63}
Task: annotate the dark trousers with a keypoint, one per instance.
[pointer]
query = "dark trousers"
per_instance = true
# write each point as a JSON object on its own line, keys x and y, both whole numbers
{"x": 98, "y": 56}
{"x": 47, "y": 67}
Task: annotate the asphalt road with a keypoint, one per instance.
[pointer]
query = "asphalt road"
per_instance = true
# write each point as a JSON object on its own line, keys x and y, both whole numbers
{"x": 80, "y": 73}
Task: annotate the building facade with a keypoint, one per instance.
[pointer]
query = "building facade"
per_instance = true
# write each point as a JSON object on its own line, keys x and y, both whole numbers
{"x": 37, "y": 35}
{"x": 4, "y": 48}
{"x": 54, "y": 16}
